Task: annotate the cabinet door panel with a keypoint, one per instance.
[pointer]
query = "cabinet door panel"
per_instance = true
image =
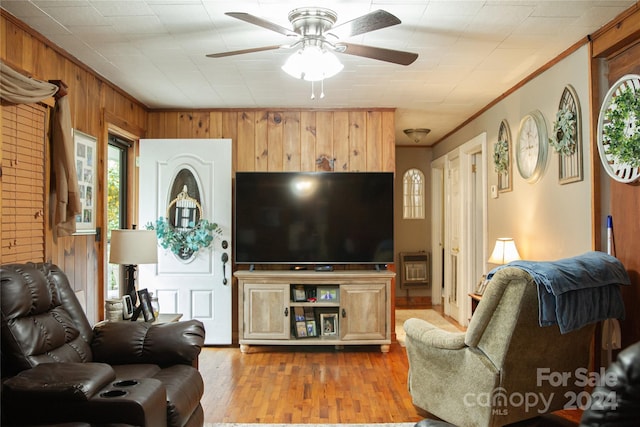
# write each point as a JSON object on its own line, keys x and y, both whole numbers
{"x": 363, "y": 315}
{"x": 266, "y": 311}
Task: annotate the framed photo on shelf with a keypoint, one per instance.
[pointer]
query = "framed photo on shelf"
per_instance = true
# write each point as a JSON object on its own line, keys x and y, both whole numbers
{"x": 85, "y": 158}
{"x": 481, "y": 286}
{"x": 329, "y": 324}
{"x": 311, "y": 328}
{"x": 327, "y": 293}
{"x": 299, "y": 294}
{"x": 301, "y": 329}
{"x": 145, "y": 305}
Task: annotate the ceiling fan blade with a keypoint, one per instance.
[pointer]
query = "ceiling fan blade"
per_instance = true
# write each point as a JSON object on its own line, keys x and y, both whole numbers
{"x": 370, "y": 22}
{"x": 388, "y": 55}
{"x": 251, "y": 19}
{"x": 243, "y": 51}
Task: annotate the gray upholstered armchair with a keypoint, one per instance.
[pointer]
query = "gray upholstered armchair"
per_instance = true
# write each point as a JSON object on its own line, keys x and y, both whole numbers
{"x": 490, "y": 375}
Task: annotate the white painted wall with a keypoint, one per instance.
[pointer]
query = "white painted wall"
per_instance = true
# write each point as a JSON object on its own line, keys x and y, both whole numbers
{"x": 547, "y": 220}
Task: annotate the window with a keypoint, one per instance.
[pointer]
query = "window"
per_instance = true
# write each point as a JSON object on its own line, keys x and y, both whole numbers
{"x": 413, "y": 194}
{"x": 116, "y": 206}
{"x": 22, "y": 183}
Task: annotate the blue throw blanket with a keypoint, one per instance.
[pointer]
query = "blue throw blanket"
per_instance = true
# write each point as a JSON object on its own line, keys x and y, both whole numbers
{"x": 574, "y": 292}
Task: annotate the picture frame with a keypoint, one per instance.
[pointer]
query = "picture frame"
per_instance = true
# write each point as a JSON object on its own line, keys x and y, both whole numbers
{"x": 311, "y": 328}
{"x": 145, "y": 305}
{"x": 127, "y": 307}
{"x": 86, "y": 172}
{"x": 329, "y": 324}
{"x": 299, "y": 294}
{"x": 481, "y": 286}
{"x": 301, "y": 329}
{"x": 327, "y": 294}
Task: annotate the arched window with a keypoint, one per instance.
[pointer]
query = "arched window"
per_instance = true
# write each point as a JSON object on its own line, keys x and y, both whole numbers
{"x": 413, "y": 194}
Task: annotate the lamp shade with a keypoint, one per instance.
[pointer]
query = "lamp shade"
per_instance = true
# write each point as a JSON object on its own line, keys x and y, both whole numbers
{"x": 504, "y": 252}
{"x": 312, "y": 63}
{"x": 132, "y": 247}
{"x": 417, "y": 135}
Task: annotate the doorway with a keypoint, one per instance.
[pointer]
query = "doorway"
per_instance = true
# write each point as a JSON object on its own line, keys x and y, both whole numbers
{"x": 117, "y": 196}
{"x": 188, "y": 181}
{"x": 459, "y": 230}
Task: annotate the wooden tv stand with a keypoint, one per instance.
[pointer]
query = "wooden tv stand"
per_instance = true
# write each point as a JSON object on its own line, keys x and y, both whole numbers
{"x": 360, "y": 299}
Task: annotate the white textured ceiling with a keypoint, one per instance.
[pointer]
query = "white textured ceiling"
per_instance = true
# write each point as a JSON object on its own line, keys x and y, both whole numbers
{"x": 470, "y": 51}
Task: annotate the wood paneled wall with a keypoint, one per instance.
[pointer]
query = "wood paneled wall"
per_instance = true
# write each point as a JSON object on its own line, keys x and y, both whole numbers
{"x": 290, "y": 140}
{"x": 615, "y": 53}
{"x": 91, "y": 99}
{"x": 264, "y": 140}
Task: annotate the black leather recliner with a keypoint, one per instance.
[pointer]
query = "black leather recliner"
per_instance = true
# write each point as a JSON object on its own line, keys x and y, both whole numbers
{"x": 616, "y": 400}
{"x": 57, "y": 369}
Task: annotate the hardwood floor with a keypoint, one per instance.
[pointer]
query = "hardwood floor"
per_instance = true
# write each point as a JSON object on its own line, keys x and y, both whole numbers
{"x": 307, "y": 385}
{"x": 290, "y": 384}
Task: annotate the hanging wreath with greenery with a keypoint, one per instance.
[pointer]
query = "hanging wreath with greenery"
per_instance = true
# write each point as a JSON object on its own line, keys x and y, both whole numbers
{"x": 501, "y": 156}
{"x": 562, "y": 138}
{"x": 622, "y": 130}
{"x": 185, "y": 242}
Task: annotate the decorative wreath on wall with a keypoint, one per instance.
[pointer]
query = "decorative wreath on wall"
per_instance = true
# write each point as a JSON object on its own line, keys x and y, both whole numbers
{"x": 622, "y": 131}
{"x": 501, "y": 156}
{"x": 563, "y": 138}
{"x": 619, "y": 130}
{"x": 184, "y": 243}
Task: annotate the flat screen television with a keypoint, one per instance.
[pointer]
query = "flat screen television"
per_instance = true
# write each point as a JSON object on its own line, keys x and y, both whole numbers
{"x": 321, "y": 218}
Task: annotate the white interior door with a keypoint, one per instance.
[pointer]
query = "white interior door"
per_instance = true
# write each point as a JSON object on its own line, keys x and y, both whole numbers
{"x": 453, "y": 239}
{"x": 197, "y": 286}
{"x": 437, "y": 230}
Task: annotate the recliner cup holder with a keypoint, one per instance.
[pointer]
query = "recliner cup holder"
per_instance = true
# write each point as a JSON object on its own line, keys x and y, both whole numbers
{"x": 125, "y": 383}
{"x": 114, "y": 393}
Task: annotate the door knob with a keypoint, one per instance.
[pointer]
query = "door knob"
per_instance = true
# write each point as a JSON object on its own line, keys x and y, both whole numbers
{"x": 225, "y": 258}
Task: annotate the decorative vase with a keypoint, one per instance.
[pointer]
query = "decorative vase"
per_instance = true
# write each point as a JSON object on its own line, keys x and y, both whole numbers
{"x": 113, "y": 310}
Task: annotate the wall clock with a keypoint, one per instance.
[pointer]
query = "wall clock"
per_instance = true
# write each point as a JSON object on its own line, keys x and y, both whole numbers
{"x": 619, "y": 130}
{"x": 531, "y": 146}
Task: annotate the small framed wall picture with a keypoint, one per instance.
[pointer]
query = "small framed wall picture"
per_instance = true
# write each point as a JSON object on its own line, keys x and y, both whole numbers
{"x": 85, "y": 158}
{"x": 145, "y": 305}
{"x": 329, "y": 324}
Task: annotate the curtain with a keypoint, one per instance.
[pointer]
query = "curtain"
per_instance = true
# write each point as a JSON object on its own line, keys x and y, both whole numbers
{"x": 19, "y": 89}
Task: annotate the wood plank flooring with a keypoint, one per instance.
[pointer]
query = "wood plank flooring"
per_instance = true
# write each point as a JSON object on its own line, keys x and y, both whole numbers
{"x": 307, "y": 385}
{"x": 292, "y": 384}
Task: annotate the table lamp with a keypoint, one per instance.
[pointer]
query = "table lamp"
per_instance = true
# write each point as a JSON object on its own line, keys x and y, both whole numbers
{"x": 504, "y": 251}
{"x": 130, "y": 248}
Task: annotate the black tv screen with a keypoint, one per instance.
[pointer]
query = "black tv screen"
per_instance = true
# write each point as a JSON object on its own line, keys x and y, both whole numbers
{"x": 313, "y": 218}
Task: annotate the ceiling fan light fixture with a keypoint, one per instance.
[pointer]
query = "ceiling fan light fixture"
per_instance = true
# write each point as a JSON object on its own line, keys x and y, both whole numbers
{"x": 417, "y": 135}
{"x": 311, "y": 63}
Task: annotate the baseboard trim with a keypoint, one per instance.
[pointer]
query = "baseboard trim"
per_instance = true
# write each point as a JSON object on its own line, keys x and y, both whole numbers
{"x": 413, "y": 302}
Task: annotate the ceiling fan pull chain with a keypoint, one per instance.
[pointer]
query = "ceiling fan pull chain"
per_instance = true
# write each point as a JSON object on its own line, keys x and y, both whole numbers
{"x": 321, "y": 88}
{"x": 313, "y": 94}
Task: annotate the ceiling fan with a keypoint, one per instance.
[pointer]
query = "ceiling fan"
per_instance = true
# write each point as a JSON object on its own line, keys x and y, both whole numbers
{"x": 314, "y": 26}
